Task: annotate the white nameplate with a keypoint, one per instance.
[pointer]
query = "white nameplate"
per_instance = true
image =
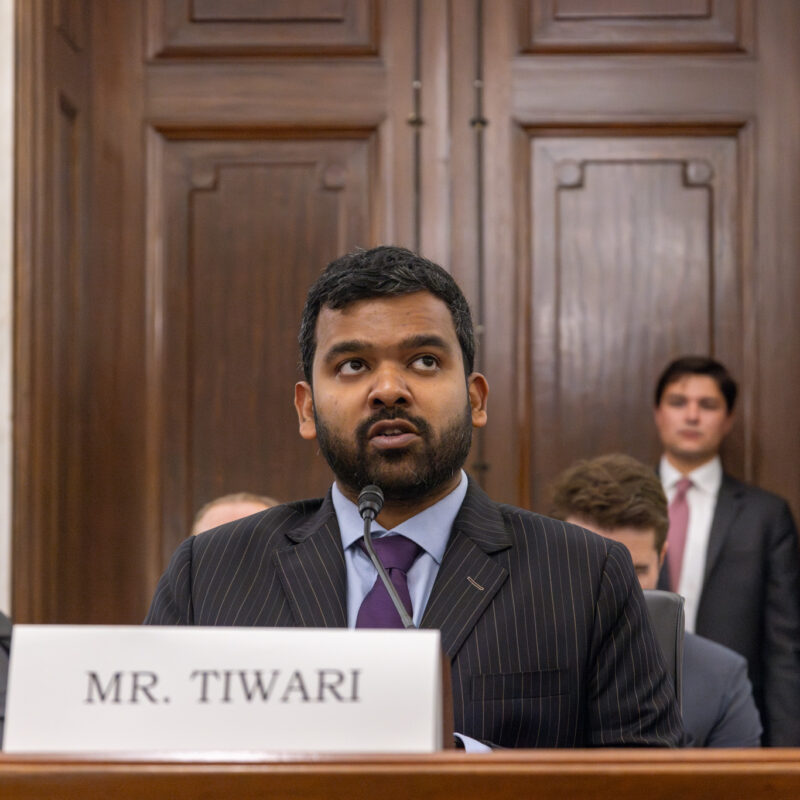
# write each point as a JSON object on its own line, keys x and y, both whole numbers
{"x": 102, "y": 688}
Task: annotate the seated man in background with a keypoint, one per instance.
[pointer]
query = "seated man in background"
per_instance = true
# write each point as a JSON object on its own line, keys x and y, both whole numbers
{"x": 733, "y": 548}
{"x": 228, "y": 508}
{"x": 621, "y": 498}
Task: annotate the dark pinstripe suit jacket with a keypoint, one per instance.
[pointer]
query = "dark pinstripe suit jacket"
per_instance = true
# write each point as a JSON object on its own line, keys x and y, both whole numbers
{"x": 544, "y": 622}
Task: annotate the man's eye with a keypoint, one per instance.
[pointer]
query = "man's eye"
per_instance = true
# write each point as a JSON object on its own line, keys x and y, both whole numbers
{"x": 351, "y": 367}
{"x": 676, "y": 402}
{"x": 710, "y": 405}
{"x": 426, "y": 363}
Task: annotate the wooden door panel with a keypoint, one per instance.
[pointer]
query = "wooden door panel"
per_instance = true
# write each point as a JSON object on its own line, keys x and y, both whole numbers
{"x": 212, "y": 28}
{"x": 260, "y": 171}
{"x": 635, "y": 25}
{"x": 306, "y": 93}
{"x": 679, "y": 148}
{"x": 634, "y": 261}
{"x": 248, "y": 225}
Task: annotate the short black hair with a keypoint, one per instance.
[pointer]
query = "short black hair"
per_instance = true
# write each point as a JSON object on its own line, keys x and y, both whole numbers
{"x": 698, "y": 365}
{"x": 385, "y": 271}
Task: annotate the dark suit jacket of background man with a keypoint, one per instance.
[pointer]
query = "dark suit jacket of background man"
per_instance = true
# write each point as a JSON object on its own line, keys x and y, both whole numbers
{"x": 526, "y": 607}
{"x": 751, "y": 600}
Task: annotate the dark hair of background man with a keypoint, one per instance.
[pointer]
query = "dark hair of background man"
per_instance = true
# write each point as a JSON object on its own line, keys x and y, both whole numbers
{"x": 698, "y": 365}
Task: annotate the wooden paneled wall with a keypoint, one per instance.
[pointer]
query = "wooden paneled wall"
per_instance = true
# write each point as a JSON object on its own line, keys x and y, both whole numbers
{"x": 53, "y": 169}
{"x": 613, "y": 184}
{"x": 259, "y": 173}
{"x": 630, "y": 219}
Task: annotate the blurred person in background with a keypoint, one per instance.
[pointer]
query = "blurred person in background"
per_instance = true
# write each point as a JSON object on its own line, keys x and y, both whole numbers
{"x": 733, "y": 548}
{"x": 228, "y": 508}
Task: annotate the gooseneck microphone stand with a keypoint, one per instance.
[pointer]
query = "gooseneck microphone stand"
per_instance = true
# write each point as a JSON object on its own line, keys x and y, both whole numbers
{"x": 370, "y": 503}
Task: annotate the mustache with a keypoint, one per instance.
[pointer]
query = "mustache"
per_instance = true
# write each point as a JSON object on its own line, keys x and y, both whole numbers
{"x": 389, "y": 414}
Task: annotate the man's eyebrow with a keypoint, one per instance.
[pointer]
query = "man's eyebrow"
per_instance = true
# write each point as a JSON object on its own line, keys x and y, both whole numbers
{"x": 342, "y": 348}
{"x": 353, "y": 346}
{"x": 425, "y": 340}
{"x": 701, "y": 398}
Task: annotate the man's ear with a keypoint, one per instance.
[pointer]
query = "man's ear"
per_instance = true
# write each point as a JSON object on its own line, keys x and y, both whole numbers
{"x": 729, "y": 423}
{"x": 304, "y": 405}
{"x": 478, "y": 389}
{"x": 662, "y": 556}
{"x": 657, "y": 414}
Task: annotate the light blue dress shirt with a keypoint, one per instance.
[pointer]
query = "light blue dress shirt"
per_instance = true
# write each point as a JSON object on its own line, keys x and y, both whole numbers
{"x": 430, "y": 529}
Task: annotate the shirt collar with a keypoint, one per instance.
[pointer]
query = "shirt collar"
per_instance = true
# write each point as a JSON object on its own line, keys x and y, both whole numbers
{"x": 707, "y": 477}
{"x": 430, "y": 529}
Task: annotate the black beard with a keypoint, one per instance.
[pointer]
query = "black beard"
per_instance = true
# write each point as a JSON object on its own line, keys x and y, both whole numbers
{"x": 429, "y": 466}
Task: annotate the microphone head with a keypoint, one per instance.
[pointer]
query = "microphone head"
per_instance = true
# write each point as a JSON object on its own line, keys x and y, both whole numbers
{"x": 370, "y": 501}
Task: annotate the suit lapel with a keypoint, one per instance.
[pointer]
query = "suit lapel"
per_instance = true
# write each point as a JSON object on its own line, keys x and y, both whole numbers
{"x": 468, "y": 578}
{"x": 729, "y": 501}
{"x": 312, "y": 571}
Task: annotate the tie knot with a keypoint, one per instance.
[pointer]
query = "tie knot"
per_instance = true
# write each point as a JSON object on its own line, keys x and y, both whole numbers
{"x": 683, "y": 485}
{"x": 395, "y": 551}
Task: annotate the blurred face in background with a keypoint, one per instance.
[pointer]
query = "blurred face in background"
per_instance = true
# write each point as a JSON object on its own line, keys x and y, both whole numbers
{"x": 641, "y": 544}
{"x": 220, "y": 513}
{"x": 692, "y": 420}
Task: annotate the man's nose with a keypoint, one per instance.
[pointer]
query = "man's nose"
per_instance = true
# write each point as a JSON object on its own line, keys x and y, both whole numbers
{"x": 389, "y": 388}
{"x": 693, "y": 411}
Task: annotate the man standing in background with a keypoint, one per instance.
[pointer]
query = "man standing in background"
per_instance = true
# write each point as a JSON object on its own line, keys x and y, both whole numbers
{"x": 733, "y": 548}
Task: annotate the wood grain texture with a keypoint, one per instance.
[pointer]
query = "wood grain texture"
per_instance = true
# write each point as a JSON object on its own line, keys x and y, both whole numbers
{"x": 71, "y": 21}
{"x": 282, "y": 93}
{"x": 776, "y": 288}
{"x": 116, "y": 542}
{"x": 723, "y": 106}
{"x": 52, "y": 174}
{"x": 579, "y": 774}
{"x": 139, "y": 266}
{"x": 131, "y": 234}
{"x": 632, "y": 26}
{"x": 634, "y": 262}
{"x": 242, "y": 28}
{"x": 229, "y": 287}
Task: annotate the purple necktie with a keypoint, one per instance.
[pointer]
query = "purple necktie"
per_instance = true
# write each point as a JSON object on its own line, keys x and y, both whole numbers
{"x": 397, "y": 554}
{"x": 678, "y": 525}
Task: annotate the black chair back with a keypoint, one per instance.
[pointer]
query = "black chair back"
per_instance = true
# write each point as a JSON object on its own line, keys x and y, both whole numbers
{"x": 666, "y": 616}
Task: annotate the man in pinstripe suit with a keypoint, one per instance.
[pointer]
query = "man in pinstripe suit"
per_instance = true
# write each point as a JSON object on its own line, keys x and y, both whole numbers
{"x": 544, "y": 622}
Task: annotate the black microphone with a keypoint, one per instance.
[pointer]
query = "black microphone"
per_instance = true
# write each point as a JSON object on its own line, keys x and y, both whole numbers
{"x": 370, "y": 503}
